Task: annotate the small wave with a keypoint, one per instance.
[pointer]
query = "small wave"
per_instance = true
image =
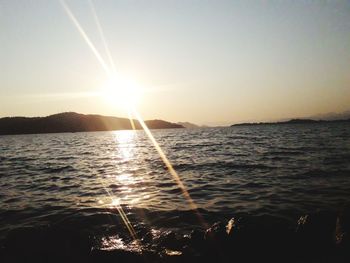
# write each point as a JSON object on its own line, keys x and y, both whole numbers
{"x": 286, "y": 152}
{"x": 66, "y": 168}
{"x": 317, "y": 173}
{"x": 166, "y": 185}
{"x": 223, "y": 165}
{"x": 252, "y": 185}
{"x": 175, "y": 190}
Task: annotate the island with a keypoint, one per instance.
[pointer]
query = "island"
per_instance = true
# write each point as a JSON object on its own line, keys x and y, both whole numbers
{"x": 292, "y": 121}
{"x": 189, "y": 125}
{"x": 75, "y": 122}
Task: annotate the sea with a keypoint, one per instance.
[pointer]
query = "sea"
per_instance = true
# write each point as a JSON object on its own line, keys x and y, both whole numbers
{"x": 116, "y": 187}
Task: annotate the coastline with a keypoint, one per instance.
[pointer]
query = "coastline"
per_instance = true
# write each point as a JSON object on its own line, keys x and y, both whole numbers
{"x": 292, "y": 121}
{"x": 320, "y": 236}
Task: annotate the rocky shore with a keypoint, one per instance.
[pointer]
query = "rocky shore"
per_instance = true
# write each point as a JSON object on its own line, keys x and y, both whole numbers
{"x": 318, "y": 237}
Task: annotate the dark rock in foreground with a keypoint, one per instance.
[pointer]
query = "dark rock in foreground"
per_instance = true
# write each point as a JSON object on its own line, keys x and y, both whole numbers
{"x": 320, "y": 237}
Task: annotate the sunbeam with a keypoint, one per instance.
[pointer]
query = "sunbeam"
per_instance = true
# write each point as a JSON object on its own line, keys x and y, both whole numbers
{"x": 170, "y": 168}
{"x": 97, "y": 21}
{"x": 106, "y": 68}
{"x": 134, "y": 112}
{"x": 85, "y": 37}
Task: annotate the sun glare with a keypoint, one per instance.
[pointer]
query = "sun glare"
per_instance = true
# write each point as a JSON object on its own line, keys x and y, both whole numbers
{"x": 122, "y": 92}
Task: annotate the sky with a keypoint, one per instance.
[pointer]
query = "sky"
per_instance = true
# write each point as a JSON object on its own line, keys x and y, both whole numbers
{"x": 206, "y": 62}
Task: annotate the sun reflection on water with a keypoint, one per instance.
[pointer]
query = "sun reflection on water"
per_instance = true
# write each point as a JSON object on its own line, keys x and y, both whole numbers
{"x": 125, "y": 139}
{"x": 125, "y": 144}
{"x": 124, "y": 181}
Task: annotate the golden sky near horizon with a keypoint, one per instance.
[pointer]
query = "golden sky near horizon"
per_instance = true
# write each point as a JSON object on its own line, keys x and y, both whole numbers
{"x": 207, "y": 62}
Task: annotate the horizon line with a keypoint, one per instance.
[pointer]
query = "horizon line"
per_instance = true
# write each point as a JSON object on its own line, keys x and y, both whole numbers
{"x": 318, "y": 116}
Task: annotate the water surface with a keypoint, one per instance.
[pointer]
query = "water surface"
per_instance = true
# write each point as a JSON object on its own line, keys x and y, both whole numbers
{"x": 277, "y": 170}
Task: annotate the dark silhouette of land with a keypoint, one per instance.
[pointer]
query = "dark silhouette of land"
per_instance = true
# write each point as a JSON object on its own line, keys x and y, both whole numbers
{"x": 292, "y": 121}
{"x": 74, "y": 122}
{"x": 188, "y": 125}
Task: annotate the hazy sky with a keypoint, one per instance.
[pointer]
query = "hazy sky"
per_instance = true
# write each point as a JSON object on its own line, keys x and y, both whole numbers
{"x": 213, "y": 62}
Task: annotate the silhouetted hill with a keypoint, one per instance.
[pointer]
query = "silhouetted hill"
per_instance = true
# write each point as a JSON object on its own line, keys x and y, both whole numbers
{"x": 188, "y": 125}
{"x": 292, "y": 121}
{"x": 74, "y": 122}
{"x": 331, "y": 116}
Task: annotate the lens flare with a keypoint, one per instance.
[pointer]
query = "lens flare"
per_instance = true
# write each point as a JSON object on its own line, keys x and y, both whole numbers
{"x": 122, "y": 91}
{"x": 119, "y": 88}
{"x": 85, "y": 37}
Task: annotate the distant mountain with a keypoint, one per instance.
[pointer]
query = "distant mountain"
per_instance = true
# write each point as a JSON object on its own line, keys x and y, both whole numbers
{"x": 188, "y": 125}
{"x": 292, "y": 121}
{"x": 74, "y": 122}
{"x": 332, "y": 116}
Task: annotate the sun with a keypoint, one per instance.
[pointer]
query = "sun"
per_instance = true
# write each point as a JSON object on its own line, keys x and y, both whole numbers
{"x": 122, "y": 92}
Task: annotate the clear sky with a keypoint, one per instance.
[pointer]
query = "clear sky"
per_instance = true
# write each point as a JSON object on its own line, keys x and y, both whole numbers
{"x": 207, "y": 62}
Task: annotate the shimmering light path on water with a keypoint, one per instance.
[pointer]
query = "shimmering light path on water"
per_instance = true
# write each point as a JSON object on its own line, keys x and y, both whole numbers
{"x": 253, "y": 169}
{"x": 122, "y": 89}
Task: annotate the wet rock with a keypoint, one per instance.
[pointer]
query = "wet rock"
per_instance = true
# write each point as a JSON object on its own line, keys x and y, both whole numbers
{"x": 342, "y": 235}
{"x": 26, "y": 243}
{"x": 105, "y": 256}
{"x": 318, "y": 228}
{"x": 147, "y": 238}
{"x": 260, "y": 238}
{"x": 315, "y": 233}
{"x": 217, "y": 246}
{"x": 230, "y": 227}
{"x": 194, "y": 244}
{"x": 342, "y": 230}
{"x": 46, "y": 245}
{"x": 196, "y": 238}
{"x": 170, "y": 240}
{"x": 216, "y": 233}
{"x": 170, "y": 252}
{"x": 68, "y": 245}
